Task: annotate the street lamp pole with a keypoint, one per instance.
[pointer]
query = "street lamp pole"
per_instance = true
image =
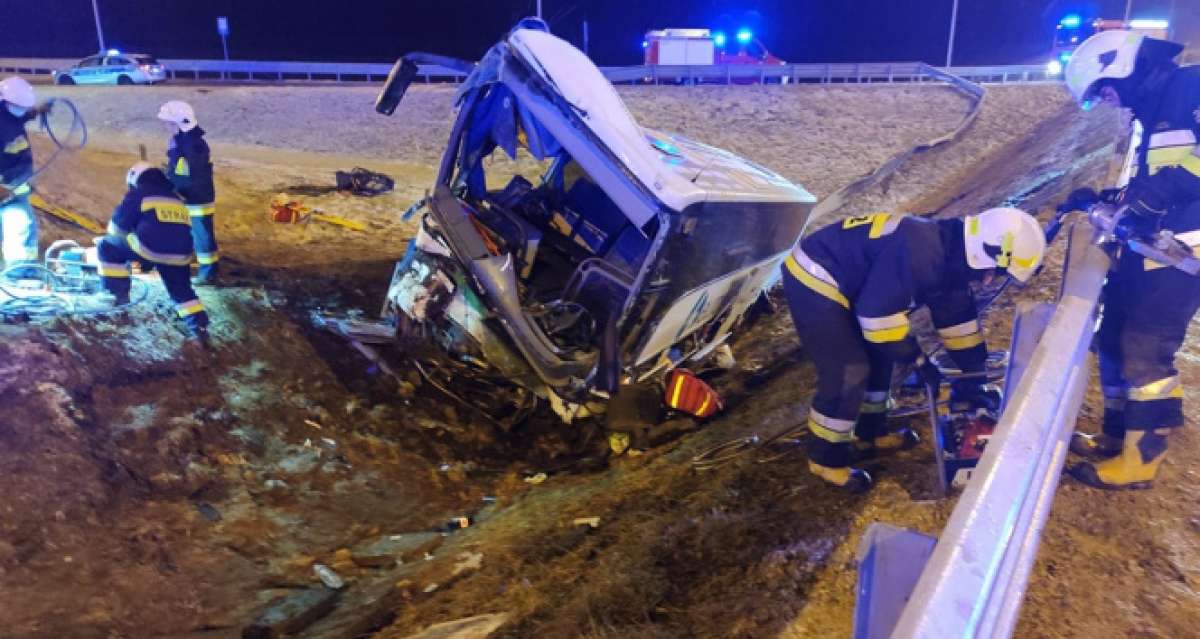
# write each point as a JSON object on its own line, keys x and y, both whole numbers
{"x": 539, "y": 8}
{"x": 953, "y": 25}
{"x": 1128, "y": 10}
{"x": 99, "y": 30}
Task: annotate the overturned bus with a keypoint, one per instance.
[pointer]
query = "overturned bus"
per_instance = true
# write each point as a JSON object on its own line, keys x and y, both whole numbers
{"x": 565, "y": 251}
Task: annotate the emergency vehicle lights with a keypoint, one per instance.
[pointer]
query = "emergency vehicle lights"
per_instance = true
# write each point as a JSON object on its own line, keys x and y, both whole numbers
{"x": 645, "y": 44}
{"x": 1149, "y": 24}
{"x": 719, "y": 38}
{"x": 744, "y": 35}
{"x": 114, "y": 52}
{"x": 1071, "y": 21}
{"x": 1054, "y": 67}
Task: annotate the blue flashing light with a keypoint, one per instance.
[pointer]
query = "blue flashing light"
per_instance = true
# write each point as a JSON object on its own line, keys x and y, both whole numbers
{"x": 744, "y": 35}
{"x": 645, "y": 44}
{"x": 719, "y": 39}
{"x": 113, "y": 52}
{"x": 1072, "y": 21}
{"x": 1064, "y": 57}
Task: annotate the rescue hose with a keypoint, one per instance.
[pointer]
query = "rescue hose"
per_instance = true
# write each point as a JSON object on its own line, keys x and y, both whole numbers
{"x": 61, "y": 143}
{"x": 45, "y": 304}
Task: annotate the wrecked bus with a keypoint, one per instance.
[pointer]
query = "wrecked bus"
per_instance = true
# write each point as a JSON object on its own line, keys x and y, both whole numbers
{"x": 564, "y": 251}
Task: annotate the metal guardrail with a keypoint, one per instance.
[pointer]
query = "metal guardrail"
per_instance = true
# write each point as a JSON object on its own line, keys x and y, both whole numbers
{"x": 643, "y": 74}
{"x": 976, "y": 577}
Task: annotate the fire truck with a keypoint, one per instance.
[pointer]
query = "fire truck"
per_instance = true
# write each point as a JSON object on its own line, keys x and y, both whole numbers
{"x": 704, "y": 47}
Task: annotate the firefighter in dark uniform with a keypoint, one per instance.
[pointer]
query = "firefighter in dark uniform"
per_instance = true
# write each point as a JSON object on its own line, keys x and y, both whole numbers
{"x": 1147, "y": 305}
{"x": 189, "y": 167}
{"x": 151, "y": 225}
{"x": 850, "y": 287}
{"x": 18, "y": 226}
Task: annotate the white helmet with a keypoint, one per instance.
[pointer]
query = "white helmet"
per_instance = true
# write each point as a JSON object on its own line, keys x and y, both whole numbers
{"x": 15, "y": 90}
{"x": 135, "y": 172}
{"x": 1005, "y": 238}
{"x": 1108, "y": 55}
{"x": 180, "y": 113}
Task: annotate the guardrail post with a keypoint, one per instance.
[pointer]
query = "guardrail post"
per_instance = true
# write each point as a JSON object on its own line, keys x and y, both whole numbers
{"x": 858, "y": 72}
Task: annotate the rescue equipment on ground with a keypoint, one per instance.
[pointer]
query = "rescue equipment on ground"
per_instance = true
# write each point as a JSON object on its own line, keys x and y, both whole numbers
{"x": 689, "y": 394}
{"x": 360, "y": 181}
{"x": 284, "y": 210}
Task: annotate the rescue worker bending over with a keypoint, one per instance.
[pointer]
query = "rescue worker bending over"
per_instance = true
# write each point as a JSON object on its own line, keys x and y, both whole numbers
{"x": 189, "y": 167}
{"x": 18, "y": 226}
{"x": 151, "y": 225}
{"x": 1147, "y": 305}
{"x": 850, "y": 287}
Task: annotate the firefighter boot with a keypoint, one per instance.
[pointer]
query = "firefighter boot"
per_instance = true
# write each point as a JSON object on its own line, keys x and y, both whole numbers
{"x": 1137, "y": 465}
{"x": 1107, "y": 444}
{"x": 1096, "y": 447}
{"x": 852, "y": 480}
{"x": 871, "y": 436}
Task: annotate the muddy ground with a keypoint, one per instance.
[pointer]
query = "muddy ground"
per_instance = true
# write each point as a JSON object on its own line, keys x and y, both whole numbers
{"x": 158, "y": 489}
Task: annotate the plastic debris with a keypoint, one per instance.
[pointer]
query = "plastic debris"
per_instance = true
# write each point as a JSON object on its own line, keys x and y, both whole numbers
{"x": 328, "y": 577}
{"x": 591, "y": 522}
{"x": 313, "y": 424}
{"x": 536, "y": 479}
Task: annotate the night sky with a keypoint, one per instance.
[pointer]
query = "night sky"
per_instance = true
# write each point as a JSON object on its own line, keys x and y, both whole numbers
{"x": 989, "y": 31}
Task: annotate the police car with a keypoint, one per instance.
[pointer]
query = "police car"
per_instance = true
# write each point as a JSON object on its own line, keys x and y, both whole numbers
{"x": 113, "y": 67}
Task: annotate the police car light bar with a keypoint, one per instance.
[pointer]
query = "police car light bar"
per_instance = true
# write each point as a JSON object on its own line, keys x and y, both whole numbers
{"x": 1149, "y": 24}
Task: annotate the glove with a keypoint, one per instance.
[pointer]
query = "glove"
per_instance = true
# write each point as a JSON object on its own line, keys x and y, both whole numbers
{"x": 970, "y": 395}
{"x": 1134, "y": 224}
{"x": 929, "y": 373}
{"x": 1084, "y": 198}
{"x": 1079, "y": 200}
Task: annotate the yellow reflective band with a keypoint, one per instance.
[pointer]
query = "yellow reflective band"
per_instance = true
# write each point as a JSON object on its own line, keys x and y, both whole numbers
{"x": 807, "y": 279}
{"x": 170, "y": 259}
{"x": 22, "y": 189}
{"x": 677, "y": 391}
{"x": 828, "y": 434}
{"x": 1191, "y": 163}
{"x": 887, "y": 335}
{"x": 208, "y": 258}
{"x": 1167, "y": 388}
{"x": 201, "y": 210}
{"x": 704, "y": 404}
{"x": 21, "y": 143}
{"x": 189, "y": 308}
{"x": 114, "y": 270}
{"x": 968, "y": 327}
{"x": 1171, "y": 156}
{"x": 891, "y": 328}
{"x": 181, "y": 167}
{"x": 973, "y": 225}
{"x": 964, "y": 342}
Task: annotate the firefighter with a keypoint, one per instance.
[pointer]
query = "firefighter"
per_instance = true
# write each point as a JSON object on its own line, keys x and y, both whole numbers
{"x": 190, "y": 169}
{"x": 1147, "y": 305}
{"x": 18, "y": 226}
{"x": 850, "y": 287}
{"x": 151, "y": 225}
